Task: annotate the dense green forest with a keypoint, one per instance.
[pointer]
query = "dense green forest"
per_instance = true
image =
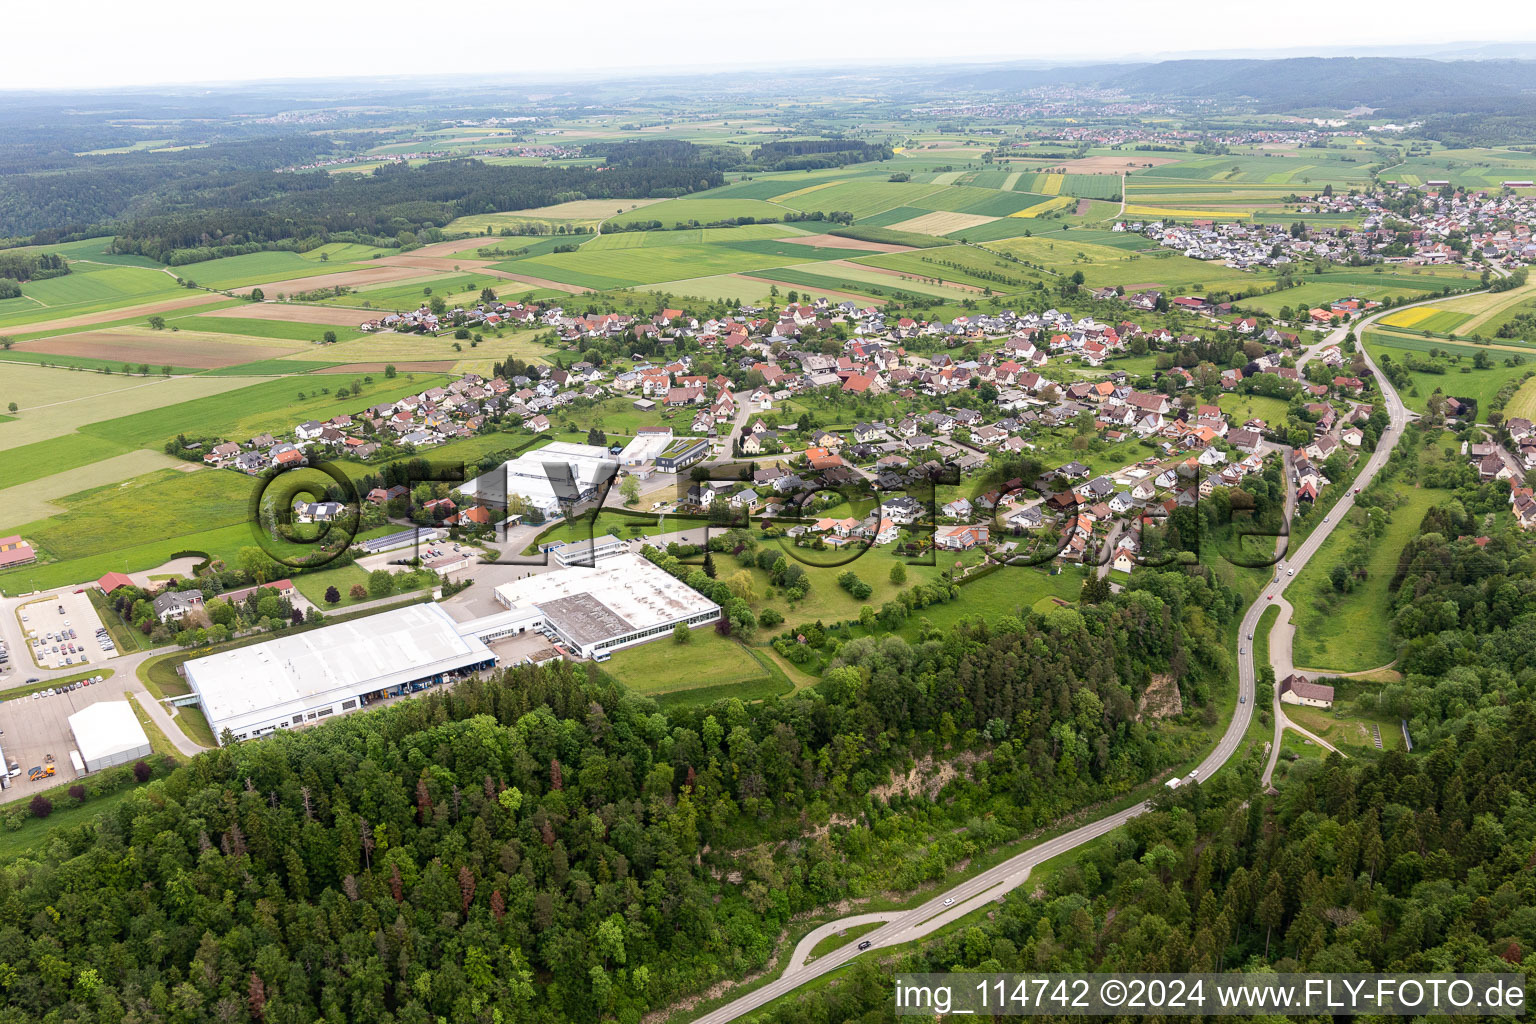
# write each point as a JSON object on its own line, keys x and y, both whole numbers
{"x": 264, "y": 209}
{"x": 544, "y": 847}
{"x": 1418, "y": 861}
{"x": 54, "y": 196}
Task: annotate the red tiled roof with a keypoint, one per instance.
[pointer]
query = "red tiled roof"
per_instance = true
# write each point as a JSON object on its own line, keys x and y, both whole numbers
{"x": 112, "y": 580}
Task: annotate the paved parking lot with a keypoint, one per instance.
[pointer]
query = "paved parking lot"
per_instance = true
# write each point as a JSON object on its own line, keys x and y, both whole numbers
{"x": 34, "y": 728}
{"x": 41, "y": 618}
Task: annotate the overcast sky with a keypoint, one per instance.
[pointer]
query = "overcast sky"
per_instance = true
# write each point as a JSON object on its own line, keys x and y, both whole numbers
{"x": 96, "y": 43}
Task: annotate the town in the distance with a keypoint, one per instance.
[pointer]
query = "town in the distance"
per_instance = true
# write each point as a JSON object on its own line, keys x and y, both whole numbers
{"x": 622, "y": 550}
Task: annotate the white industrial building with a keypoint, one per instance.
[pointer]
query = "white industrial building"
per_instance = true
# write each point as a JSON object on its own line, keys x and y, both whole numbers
{"x": 622, "y": 601}
{"x": 307, "y": 677}
{"x": 108, "y": 733}
{"x": 647, "y": 443}
{"x": 588, "y": 552}
{"x": 552, "y": 479}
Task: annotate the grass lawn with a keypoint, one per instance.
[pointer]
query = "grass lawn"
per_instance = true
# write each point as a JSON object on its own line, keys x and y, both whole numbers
{"x": 313, "y": 584}
{"x": 827, "y": 602}
{"x": 158, "y": 741}
{"x": 706, "y": 661}
{"x": 1348, "y": 731}
{"x": 625, "y": 527}
{"x": 1243, "y": 408}
{"x": 195, "y": 724}
{"x": 1348, "y": 632}
{"x": 159, "y": 675}
{"x": 1012, "y": 590}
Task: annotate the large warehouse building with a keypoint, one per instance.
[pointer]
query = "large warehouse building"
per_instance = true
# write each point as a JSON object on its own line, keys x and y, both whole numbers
{"x": 307, "y": 677}
{"x": 552, "y": 479}
{"x": 622, "y": 601}
{"x": 108, "y": 733}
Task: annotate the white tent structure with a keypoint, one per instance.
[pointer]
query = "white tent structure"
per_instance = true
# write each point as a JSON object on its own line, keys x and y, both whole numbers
{"x": 108, "y": 733}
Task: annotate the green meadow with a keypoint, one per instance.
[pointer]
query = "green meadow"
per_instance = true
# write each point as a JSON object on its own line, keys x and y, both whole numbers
{"x": 684, "y": 212}
{"x": 283, "y": 330}
{"x": 89, "y": 289}
{"x": 621, "y": 268}
{"x": 248, "y": 411}
{"x": 1460, "y": 379}
{"x": 258, "y": 268}
{"x": 1344, "y": 632}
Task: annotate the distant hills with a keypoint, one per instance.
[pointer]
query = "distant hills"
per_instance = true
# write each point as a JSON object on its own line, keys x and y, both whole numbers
{"x": 1397, "y": 85}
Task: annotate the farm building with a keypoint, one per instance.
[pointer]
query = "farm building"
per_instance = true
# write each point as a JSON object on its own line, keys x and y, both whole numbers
{"x": 622, "y": 602}
{"x": 108, "y": 733}
{"x": 307, "y": 677}
{"x": 1296, "y": 689}
{"x": 14, "y": 551}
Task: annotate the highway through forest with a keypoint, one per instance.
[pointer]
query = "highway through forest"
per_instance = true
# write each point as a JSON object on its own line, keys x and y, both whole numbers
{"x": 901, "y": 926}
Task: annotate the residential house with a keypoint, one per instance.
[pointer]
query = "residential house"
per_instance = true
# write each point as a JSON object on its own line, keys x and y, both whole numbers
{"x": 1298, "y": 689}
{"x": 177, "y": 604}
{"x": 960, "y": 538}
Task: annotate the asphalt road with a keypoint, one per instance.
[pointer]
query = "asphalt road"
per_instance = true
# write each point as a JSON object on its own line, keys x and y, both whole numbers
{"x": 972, "y": 894}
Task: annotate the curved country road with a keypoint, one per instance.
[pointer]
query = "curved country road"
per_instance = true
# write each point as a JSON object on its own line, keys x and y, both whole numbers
{"x": 906, "y": 925}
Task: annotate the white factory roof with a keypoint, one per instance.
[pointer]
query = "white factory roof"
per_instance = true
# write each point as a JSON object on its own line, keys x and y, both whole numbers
{"x": 106, "y": 728}
{"x": 253, "y": 685}
{"x": 620, "y": 595}
{"x": 644, "y": 448}
{"x": 559, "y": 470}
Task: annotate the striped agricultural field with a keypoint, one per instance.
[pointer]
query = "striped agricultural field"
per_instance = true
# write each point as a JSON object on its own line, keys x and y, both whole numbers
{"x": 1143, "y": 210}
{"x": 1524, "y": 403}
{"x": 1012, "y": 180}
{"x": 1409, "y": 317}
{"x": 797, "y": 193}
{"x": 942, "y": 222}
{"x": 1058, "y": 203}
{"x": 1052, "y": 184}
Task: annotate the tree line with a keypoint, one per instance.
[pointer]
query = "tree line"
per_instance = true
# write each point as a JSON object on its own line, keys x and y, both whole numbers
{"x": 543, "y": 845}
{"x": 396, "y": 202}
